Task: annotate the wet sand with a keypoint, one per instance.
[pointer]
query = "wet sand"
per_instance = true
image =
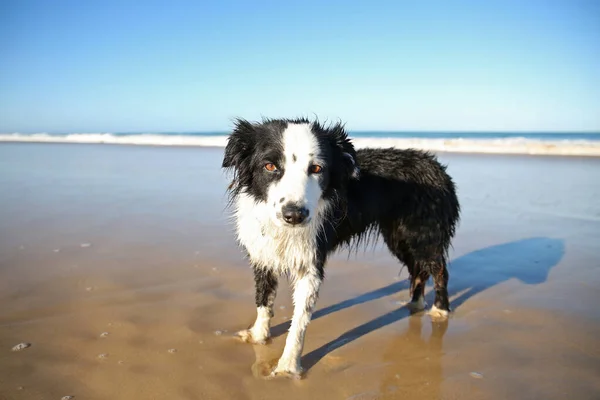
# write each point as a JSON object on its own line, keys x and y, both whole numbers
{"x": 118, "y": 265}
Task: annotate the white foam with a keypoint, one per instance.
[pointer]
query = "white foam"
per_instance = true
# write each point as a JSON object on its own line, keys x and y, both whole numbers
{"x": 495, "y": 146}
{"x": 147, "y": 139}
{"x": 455, "y": 145}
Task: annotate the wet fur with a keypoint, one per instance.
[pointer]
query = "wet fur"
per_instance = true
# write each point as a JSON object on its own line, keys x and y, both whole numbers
{"x": 403, "y": 195}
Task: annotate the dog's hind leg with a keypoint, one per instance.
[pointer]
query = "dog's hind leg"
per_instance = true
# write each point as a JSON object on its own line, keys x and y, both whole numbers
{"x": 266, "y": 290}
{"x": 306, "y": 292}
{"x": 418, "y": 281}
{"x": 441, "y": 304}
{"x": 394, "y": 239}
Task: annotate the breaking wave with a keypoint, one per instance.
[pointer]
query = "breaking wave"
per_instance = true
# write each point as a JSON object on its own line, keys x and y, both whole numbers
{"x": 512, "y": 145}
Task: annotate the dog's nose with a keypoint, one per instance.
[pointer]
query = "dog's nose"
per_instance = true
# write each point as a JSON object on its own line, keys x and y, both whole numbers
{"x": 294, "y": 215}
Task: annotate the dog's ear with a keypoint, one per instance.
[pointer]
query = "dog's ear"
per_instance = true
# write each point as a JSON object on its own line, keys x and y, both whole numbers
{"x": 351, "y": 165}
{"x": 348, "y": 152}
{"x": 239, "y": 144}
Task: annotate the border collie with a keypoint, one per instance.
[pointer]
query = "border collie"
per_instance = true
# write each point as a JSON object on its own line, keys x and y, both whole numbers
{"x": 300, "y": 191}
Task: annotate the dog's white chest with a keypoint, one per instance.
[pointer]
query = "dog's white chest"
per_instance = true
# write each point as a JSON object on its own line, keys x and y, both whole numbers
{"x": 282, "y": 249}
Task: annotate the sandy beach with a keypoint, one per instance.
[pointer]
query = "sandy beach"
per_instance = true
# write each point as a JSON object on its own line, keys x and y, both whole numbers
{"x": 119, "y": 266}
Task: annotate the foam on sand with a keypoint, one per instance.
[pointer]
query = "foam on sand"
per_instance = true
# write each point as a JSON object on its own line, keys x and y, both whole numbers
{"x": 514, "y": 145}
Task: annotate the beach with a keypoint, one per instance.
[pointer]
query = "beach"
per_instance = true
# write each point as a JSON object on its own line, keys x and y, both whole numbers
{"x": 119, "y": 266}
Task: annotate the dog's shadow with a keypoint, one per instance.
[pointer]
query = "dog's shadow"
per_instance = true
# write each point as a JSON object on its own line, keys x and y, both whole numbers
{"x": 528, "y": 260}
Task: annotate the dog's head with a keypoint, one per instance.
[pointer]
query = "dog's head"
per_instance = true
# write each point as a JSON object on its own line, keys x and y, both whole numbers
{"x": 292, "y": 166}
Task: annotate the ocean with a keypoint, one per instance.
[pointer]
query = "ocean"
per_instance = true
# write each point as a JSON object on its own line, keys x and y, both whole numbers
{"x": 574, "y": 144}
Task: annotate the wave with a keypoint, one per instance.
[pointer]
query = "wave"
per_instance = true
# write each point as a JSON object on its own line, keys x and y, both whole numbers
{"x": 491, "y": 146}
{"x": 513, "y": 145}
{"x": 147, "y": 139}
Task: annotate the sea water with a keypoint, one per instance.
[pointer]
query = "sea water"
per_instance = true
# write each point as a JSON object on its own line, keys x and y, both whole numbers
{"x": 578, "y": 144}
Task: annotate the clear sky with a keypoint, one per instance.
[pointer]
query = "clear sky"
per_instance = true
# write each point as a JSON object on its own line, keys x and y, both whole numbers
{"x": 121, "y": 66}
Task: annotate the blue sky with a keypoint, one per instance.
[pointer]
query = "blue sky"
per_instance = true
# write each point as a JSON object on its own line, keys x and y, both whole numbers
{"x": 122, "y": 66}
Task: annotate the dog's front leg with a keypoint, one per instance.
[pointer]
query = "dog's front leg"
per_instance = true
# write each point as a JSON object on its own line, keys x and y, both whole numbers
{"x": 266, "y": 290}
{"x": 306, "y": 292}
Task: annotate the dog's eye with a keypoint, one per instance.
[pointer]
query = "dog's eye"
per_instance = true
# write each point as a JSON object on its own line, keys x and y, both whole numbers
{"x": 270, "y": 167}
{"x": 315, "y": 169}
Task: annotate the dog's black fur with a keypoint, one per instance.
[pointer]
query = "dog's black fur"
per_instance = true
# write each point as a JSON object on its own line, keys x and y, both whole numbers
{"x": 406, "y": 196}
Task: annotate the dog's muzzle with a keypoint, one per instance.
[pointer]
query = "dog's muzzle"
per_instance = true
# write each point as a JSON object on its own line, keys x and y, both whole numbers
{"x": 294, "y": 214}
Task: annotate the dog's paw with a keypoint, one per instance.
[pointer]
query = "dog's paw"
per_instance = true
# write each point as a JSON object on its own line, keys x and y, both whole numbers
{"x": 416, "y": 306}
{"x": 247, "y": 336}
{"x": 287, "y": 369}
{"x": 438, "y": 314}
{"x": 294, "y": 375}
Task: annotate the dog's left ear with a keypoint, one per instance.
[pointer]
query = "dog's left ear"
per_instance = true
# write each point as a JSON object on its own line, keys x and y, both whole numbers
{"x": 238, "y": 144}
{"x": 348, "y": 152}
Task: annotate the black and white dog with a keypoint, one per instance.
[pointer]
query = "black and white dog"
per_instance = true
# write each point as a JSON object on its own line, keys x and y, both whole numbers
{"x": 300, "y": 191}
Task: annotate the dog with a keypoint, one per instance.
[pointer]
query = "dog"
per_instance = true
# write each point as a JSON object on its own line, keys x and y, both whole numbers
{"x": 300, "y": 191}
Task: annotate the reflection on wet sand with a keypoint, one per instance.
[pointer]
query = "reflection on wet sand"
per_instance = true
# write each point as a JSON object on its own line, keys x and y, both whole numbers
{"x": 416, "y": 361}
{"x": 411, "y": 363}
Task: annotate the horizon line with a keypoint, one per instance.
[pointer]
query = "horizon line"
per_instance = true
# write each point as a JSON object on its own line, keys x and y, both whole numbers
{"x": 226, "y": 132}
